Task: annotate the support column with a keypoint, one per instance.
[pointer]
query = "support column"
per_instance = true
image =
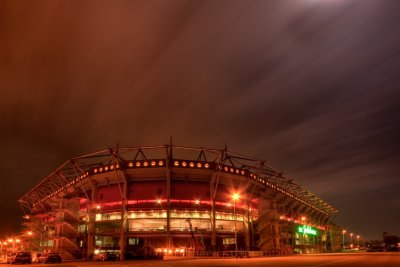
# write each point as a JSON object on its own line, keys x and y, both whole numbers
{"x": 168, "y": 176}
{"x": 213, "y": 192}
{"x": 124, "y": 218}
{"x": 91, "y": 223}
{"x": 246, "y": 223}
{"x": 212, "y": 217}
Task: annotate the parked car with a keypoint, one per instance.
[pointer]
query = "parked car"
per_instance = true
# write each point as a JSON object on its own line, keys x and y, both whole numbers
{"x": 49, "y": 257}
{"x": 20, "y": 257}
{"x": 105, "y": 256}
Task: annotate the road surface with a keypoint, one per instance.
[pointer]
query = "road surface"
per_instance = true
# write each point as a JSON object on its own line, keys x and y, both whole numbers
{"x": 373, "y": 259}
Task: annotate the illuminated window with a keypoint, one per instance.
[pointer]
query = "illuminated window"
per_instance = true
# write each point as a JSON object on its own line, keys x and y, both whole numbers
{"x": 228, "y": 241}
{"x": 114, "y": 216}
{"x": 228, "y": 226}
{"x": 190, "y": 214}
{"x": 133, "y": 241}
{"x": 147, "y": 225}
{"x": 197, "y": 224}
{"x": 82, "y": 228}
{"x": 148, "y": 214}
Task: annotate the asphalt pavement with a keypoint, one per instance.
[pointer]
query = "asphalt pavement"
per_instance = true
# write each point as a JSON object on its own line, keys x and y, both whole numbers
{"x": 375, "y": 259}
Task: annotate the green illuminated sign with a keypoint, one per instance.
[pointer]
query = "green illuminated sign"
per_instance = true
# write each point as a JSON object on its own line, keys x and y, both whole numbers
{"x": 304, "y": 229}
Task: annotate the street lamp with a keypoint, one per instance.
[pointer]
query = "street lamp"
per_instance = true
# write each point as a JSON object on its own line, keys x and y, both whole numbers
{"x": 27, "y": 240}
{"x": 1, "y": 244}
{"x": 343, "y": 232}
{"x": 21, "y": 239}
{"x": 13, "y": 244}
{"x": 351, "y": 240}
{"x": 235, "y": 197}
{"x": 18, "y": 241}
{"x": 358, "y": 240}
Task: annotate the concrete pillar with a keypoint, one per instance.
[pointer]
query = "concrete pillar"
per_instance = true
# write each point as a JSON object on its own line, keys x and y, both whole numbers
{"x": 212, "y": 216}
{"x": 124, "y": 218}
{"x": 91, "y": 223}
{"x": 168, "y": 208}
{"x": 247, "y": 230}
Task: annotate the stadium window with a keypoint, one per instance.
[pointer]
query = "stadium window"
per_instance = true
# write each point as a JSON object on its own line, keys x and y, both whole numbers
{"x": 133, "y": 241}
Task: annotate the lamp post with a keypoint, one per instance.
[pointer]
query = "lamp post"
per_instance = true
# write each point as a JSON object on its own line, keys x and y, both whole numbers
{"x": 235, "y": 197}
{"x": 343, "y": 232}
{"x": 3, "y": 243}
{"x": 27, "y": 240}
{"x": 358, "y": 240}
{"x": 351, "y": 240}
{"x": 20, "y": 239}
{"x": 13, "y": 243}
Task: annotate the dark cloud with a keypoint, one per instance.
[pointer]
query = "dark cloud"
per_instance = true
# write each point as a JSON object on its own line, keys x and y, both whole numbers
{"x": 310, "y": 85}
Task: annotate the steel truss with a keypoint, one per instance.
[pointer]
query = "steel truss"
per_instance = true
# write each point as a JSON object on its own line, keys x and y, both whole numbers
{"x": 71, "y": 175}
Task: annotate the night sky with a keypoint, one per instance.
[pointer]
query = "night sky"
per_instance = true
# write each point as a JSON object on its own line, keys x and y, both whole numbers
{"x": 312, "y": 86}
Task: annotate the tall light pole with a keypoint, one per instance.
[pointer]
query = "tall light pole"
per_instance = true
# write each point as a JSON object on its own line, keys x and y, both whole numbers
{"x": 27, "y": 240}
{"x": 13, "y": 244}
{"x": 343, "y": 232}
{"x": 18, "y": 241}
{"x": 235, "y": 197}
{"x": 2, "y": 243}
{"x": 351, "y": 240}
{"x": 358, "y": 240}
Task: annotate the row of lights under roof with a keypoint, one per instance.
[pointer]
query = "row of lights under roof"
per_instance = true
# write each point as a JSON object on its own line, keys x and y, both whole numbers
{"x": 187, "y": 164}
{"x": 130, "y": 164}
{"x": 283, "y": 191}
{"x": 191, "y": 164}
{"x": 78, "y": 179}
{"x": 232, "y": 170}
{"x": 105, "y": 168}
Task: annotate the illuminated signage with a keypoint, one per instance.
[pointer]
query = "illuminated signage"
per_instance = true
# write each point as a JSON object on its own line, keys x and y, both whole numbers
{"x": 304, "y": 229}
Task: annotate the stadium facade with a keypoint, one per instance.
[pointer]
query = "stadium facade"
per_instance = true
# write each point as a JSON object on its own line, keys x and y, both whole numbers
{"x": 142, "y": 201}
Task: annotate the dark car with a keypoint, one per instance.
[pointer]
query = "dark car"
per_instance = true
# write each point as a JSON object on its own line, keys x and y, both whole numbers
{"x": 105, "y": 256}
{"x": 20, "y": 257}
{"x": 49, "y": 257}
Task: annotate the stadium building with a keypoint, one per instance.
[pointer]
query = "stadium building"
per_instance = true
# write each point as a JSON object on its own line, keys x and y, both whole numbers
{"x": 154, "y": 200}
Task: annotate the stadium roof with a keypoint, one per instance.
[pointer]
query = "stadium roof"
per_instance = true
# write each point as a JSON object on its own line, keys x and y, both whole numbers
{"x": 77, "y": 169}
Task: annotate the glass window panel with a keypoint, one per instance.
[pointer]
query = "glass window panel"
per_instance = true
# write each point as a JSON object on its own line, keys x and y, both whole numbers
{"x": 197, "y": 224}
{"x": 147, "y": 225}
{"x": 229, "y": 226}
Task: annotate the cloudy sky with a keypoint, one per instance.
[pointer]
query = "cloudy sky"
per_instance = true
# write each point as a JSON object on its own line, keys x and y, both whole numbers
{"x": 313, "y": 86}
